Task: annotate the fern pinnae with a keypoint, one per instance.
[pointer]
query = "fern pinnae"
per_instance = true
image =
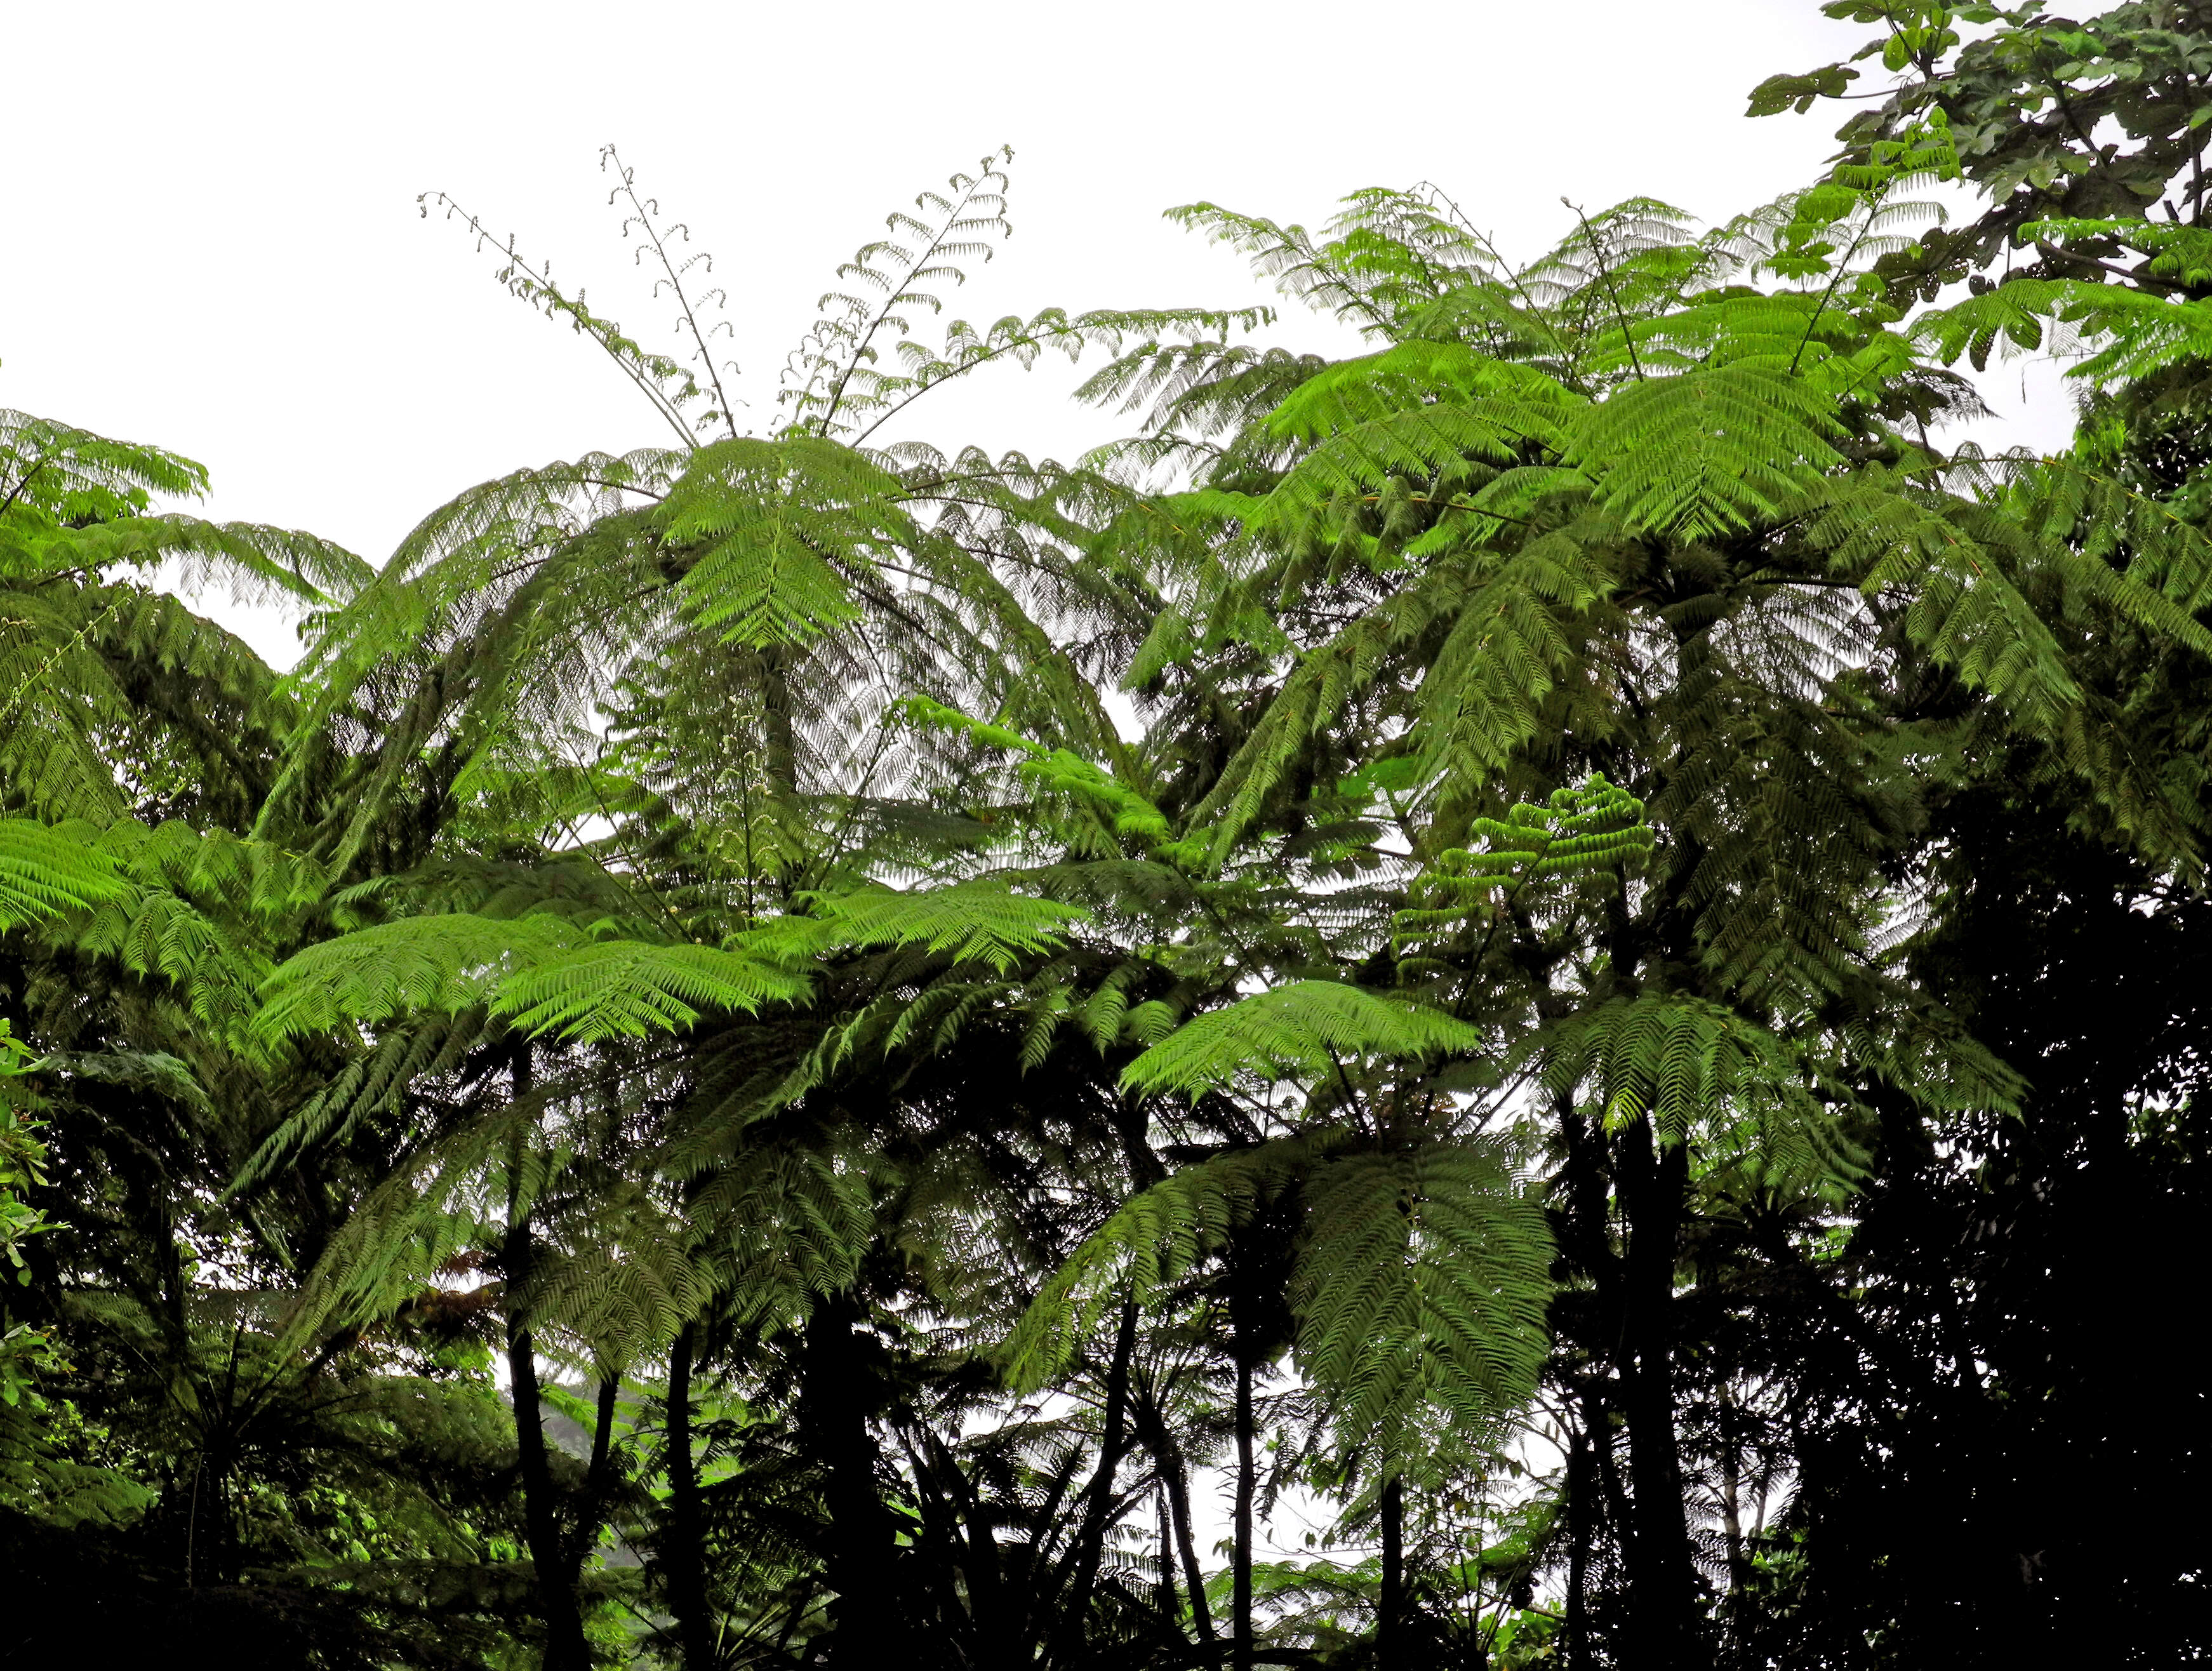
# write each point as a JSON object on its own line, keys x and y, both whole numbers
{"x": 642, "y": 211}
{"x": 841, "y": 347}
{"x": 664, "y": 384}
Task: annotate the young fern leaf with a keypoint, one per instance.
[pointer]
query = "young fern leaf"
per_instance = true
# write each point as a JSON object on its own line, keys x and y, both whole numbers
{"x": 666, "y": 384}
{"x": 1594, "y": 830}
{"x": 830, "y": 380}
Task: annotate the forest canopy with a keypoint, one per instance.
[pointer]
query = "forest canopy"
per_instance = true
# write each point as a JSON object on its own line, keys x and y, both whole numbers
{"x": 1576, "y": 942}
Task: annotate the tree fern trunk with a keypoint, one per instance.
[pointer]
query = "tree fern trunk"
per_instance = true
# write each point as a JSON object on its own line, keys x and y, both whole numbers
{"x": 1661, "y": 1578}
{"x": 1390, "y": 1621}
{"x": 783, "y": 738}
{"x": 1590, "y": 1318}
{"x": 1098, "y": 1499}
{"x": 683, "y": 1559}
{"x": 835, "y": 1402}
{"x": 1247, "y": 1481}
{"x": 1582, "y": 1507}
{"x": 1169, "y": 1608}
{"x": 1175, "y": 1474}
{"x": 541, "y": 1517}
{"x": 556, "y": 1595}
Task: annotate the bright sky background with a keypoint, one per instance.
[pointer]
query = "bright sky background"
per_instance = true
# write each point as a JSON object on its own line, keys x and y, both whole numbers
{"x": 215, "y": 244}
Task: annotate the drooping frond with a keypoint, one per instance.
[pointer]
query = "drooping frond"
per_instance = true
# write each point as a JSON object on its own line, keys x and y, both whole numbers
{"x": 70, "y": 476}
{"x": 1422, "y": 1280}
{"x": 1153, "y": 1239}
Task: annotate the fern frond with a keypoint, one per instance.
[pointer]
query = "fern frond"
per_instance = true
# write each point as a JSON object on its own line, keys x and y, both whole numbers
{"x": 631, "y": 989}
{"x": 1708, "y": 452}
{"x": 1302, "y": 1030}
{"x": 1422, "y": 1280}
{"x": 978, "y": 922}
{"x": 785, "y": 531}
{"x": 1153, "y": 1239}
{"x": 45, "y": 872}
{"x": 429, "y": 964}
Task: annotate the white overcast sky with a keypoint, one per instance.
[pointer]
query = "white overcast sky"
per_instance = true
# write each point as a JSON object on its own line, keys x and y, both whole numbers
{"x": 213, "y": 242}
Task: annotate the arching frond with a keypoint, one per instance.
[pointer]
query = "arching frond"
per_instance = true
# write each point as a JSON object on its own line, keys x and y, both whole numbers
{"x": 971, "y": 922}
{"x": 45, "y": 871}
{"x": 629, "y": 988}
{"x": 1153, "y": 1239}
{"x": 1304, "y": 1030}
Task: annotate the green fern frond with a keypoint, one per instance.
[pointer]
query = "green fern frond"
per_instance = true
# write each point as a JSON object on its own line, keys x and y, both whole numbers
{"x": 1708, "y": 452}
{"x": 978, "y": 922}
{"x": 45, "y": 872}
{"x": 1594, "y": 830}
{"x": 1153, "y": 1240}
{"x": 427, "y": 964}
{"x": 259, "y": 564}
{"x": 784, "y": 532}
{"x": 71, "y": 475}
{"x": 631, "y": 989}
{"x": 1422, "y": 1281}
{"x": 1302, "y": 1030}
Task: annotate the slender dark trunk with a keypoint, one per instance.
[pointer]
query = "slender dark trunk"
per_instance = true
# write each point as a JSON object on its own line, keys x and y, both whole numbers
{"x": 1663, "y": 1578}
{"x": 210, "y": 1535}
{"x": 1582, "y": 1508}
{"x": 1099, "y": 1499}
{"x": 1731, "y": 1461}
{"x": 1247, "y": 1481}
{"x": 1176, "y": 1475}
{"x": 835, "y": 1404}
{"x": 556, "y": 1595}
{"x": 1166, "y": 1603}
{"x": 782, "y": 733}
{"x": 598, "y": 1477}
{"x": 603, "y": 1433}
{"x": 683, "y": 1557}
{"x": 1390, "y": 1622}
{"x": 1592, "y": 1317}
{"x": 565, "y": 1649}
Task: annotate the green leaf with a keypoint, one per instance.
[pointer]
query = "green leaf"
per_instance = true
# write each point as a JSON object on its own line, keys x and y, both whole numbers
{"x": 1302, "y": 1030}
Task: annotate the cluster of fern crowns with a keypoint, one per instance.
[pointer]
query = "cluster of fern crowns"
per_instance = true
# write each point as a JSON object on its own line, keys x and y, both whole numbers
{"x": 952, "y": 992}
